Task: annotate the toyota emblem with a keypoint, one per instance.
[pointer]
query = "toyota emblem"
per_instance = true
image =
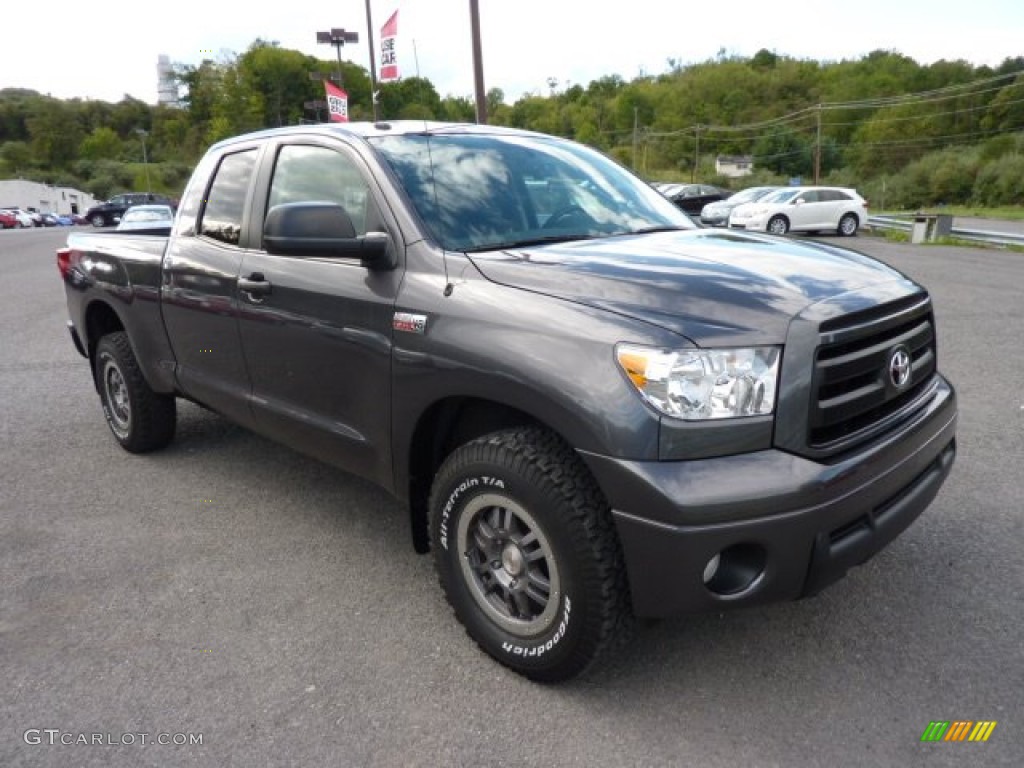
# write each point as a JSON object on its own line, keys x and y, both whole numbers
{"x": 899, "y": 367}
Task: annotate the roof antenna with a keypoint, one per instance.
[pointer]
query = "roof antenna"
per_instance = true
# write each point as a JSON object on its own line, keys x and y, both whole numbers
{"x": 448, "y": 287}
{"x": 416, "y": 59}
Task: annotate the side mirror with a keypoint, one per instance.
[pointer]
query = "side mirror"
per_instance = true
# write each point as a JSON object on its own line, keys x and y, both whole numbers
{"x": 324, "y": 229}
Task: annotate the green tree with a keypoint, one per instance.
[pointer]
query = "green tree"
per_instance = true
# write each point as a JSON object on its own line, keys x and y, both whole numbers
{"x": 17, "y": 157}
{"x": 275, "y": 81}
{"x": 55, "y": 135}
{"x": 785, "y": 152}
{"x": 102, "y": 144}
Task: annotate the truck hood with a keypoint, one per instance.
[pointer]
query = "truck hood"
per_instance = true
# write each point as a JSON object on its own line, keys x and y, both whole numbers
{"x": 711, "y": 286}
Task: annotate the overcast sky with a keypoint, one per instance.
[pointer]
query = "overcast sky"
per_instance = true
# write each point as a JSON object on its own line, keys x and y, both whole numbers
{"x": 103, "y": 51}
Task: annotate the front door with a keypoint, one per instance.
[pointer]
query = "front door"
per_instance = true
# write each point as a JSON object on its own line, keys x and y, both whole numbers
{"x": 318, "y": 344}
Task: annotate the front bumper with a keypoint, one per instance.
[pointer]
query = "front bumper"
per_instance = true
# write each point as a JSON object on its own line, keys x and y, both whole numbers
{"x": 783, "y": 526}
{"x": 714, "y": 218}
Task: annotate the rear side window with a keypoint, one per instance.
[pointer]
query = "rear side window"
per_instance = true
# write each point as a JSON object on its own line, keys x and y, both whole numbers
{"x": 225, "y": 203}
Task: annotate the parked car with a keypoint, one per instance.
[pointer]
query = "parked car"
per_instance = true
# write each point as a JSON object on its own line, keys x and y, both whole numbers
{"x": 8, "y": 220}
{"x": 693, "y": 197}
{"x": 804, "y": 209}
{"x": 48, "y": 219}
{"x": 24, "y": 217}
{"x": 149, "y": 218}
{"x": 63, "y": 219}
{"x": 717, "y": 214}
{"x": 108, "y": 213}
{"x": 38, "y": 217}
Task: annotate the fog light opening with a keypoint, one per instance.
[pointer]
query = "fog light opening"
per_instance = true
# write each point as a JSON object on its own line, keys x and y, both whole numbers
{"x": 711, "y": 568}
{"x": 735, "y": 569}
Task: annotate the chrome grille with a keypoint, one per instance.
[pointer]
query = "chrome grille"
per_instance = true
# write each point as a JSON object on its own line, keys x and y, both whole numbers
{"x": 853, "y": 395}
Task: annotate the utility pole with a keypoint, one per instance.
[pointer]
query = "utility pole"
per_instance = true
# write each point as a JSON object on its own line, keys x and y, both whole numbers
{"x": 636, "y": 115}
{"x": 145, "y": 160}
{"x": 817, "y": 150}
{"x": 478, "y": 63}
{"x": 373, "y": 61}
{"x": 696, "y": 153}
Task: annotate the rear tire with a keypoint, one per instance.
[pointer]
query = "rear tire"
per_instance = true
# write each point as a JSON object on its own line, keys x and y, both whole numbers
{"x": 527, "y": 554}
{"x": 848, "y": 225}
{"x": 141, "y": 420}
{"x": 778, "y": 225}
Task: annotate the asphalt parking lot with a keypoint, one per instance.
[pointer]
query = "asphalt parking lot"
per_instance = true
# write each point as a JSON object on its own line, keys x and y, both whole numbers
{"x": 231, "y": 589}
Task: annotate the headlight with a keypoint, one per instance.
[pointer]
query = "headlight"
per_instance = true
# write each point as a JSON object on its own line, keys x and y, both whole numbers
{"x": 704, "y": 383}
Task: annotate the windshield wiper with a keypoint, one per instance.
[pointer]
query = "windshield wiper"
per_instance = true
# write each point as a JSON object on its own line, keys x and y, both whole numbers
{"x": 546, "y": 240}
{"x": 663, "y": 228}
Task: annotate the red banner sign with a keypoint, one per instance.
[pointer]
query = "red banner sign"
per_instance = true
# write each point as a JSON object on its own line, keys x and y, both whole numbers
{"x": 337, "y": 103}
{"x": 388, "y": 58}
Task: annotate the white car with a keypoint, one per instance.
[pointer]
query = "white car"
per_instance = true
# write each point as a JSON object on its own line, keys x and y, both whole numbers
{"x": 804, "y": 209}
{"x": 25, "y": 219}
{"x": 147, "y": 217}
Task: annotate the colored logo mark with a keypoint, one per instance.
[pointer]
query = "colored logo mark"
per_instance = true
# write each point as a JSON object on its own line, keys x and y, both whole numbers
{"x": 958, "y": 730}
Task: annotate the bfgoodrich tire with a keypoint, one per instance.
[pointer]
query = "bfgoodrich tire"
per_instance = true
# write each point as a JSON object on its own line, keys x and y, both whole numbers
{"x": 140, "y": 419}
{"x": 527, "y": 554}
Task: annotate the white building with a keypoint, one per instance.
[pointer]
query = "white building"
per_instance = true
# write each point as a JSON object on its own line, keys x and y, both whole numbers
{"x": 44, "y": 197}
{"x": 734, "y": 166}
{"x": 166, "y": 85}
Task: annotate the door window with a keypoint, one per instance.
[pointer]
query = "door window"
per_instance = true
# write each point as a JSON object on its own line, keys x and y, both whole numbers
{"x": 305, "y": 174}
{"x": 225, "y": 203}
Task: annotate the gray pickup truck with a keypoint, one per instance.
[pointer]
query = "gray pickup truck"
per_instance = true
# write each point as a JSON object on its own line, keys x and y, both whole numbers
{"x": 593, "y": 410}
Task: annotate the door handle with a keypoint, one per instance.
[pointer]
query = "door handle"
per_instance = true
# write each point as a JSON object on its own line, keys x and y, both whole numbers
{"x": 254, "y": 285}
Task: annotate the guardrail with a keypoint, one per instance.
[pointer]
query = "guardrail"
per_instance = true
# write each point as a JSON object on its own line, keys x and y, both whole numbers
{"x": 904, "y": 224}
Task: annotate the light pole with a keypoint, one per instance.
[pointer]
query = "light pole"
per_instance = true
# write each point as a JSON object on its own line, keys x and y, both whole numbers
{"x": 478, "y": 63}
{"x": 145, "y": 160}
{"x": 337, "y": 38}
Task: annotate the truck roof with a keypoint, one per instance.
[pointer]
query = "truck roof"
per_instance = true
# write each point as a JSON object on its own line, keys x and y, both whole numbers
{"x": 379, "y": 128}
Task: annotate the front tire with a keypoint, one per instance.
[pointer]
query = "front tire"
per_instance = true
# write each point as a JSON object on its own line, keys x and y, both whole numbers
{"x": 141, "y": 420}
{"x": 97, "y": 220}
{"x": 778, "y": 225}
{"x": 848, "y": 225}
{"x": 527, "y": 554}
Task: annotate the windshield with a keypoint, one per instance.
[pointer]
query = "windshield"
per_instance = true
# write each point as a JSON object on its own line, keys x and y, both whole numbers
{"x": 780, "y": 197}
{"x": 477, "y": 192}
{"x": 750, "y": 194}
{"x": 148, "y": 213}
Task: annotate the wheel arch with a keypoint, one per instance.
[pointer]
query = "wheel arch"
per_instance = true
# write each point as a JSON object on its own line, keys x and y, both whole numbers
{"x": 848, "y": 215}
{"x": 100, "y": 319}
{"x": 441, "y": 428}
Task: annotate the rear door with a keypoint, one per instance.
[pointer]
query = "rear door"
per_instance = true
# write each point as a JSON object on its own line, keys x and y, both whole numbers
{"x": 200, "y": 275}
{"x": 317, "y": 341}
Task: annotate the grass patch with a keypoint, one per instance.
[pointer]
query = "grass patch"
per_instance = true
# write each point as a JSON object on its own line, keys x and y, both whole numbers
{"x": 895, "y": 235}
